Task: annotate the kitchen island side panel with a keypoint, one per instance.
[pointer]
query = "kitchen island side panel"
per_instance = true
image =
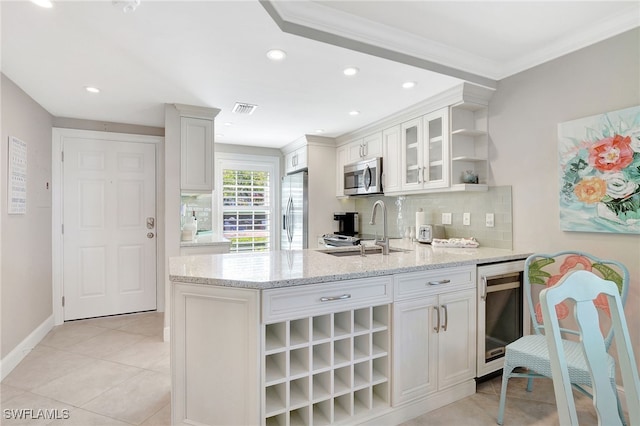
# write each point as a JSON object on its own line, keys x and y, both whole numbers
{"x": 215, "y": 355}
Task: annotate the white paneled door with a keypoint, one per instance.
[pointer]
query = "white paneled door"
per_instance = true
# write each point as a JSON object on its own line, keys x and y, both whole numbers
{"x": 109, "y": 236}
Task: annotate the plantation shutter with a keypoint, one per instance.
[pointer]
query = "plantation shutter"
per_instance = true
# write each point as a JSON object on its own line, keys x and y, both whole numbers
{"x": 246, "y": 205}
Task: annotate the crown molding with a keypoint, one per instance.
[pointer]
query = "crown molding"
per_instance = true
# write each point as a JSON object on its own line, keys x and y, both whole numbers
{"x": 316, "y": 21}
{"x": 196, "y": 111}
{"x": 625, "y": 20}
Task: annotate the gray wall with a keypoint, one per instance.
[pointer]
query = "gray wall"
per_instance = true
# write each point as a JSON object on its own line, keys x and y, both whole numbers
{"x": 26, "y": 283}
{"x": 524, "y": 115}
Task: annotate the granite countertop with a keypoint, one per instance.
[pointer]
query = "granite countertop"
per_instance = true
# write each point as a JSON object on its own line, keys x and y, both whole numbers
{"x": 287, "y": 268}
{"x": 205, "y": 239}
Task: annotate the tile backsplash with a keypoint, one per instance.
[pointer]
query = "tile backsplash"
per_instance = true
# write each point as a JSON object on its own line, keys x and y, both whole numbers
{"x": 201, "y": 204}
{"x": 401, "y": 213}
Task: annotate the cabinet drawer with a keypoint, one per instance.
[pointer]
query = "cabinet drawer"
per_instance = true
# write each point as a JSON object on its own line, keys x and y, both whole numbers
{"x": 292, "y": 302}
{"x": 416, "y": 284}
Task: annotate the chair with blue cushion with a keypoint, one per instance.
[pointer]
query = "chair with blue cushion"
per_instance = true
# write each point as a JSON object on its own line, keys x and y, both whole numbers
{"x": 530, "y": 352}
{"x": 582, "y": 287}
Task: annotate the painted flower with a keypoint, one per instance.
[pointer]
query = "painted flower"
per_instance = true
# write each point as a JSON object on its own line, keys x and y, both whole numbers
{"x": 635, "y": 141}
{"x": 618, "y": 186}
{"x": 611, "y": 154}
{"x": 570, "y": 264}
{"x": 590, "y": 190}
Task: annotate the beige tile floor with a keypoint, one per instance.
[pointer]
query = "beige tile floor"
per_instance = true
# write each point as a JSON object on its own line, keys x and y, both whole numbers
{"x": 115, "y": 371}
{"x": 104, "y": 371}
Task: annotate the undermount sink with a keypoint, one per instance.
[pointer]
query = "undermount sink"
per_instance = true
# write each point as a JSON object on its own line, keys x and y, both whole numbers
{"x": 355, "y": 251}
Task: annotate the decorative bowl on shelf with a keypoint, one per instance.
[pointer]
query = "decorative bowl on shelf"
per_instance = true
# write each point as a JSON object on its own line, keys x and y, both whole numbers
{"x": 469, "y": 176}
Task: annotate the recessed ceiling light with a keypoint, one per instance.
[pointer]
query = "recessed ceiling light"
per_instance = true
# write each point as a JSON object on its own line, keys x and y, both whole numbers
{"x": 276, "y": 54}
{"x": 228, "y": 123}
{"x": 127, "y": 5}
{"x": 92, "y": 89}
{"x": 354, "y": 112}
{"x": 351, "y": 71}
{"x": 319, "y": 130}
{"x": 219, "y": 135}
{"x": 43, "y": 3}
{"x": 409, "y": 84}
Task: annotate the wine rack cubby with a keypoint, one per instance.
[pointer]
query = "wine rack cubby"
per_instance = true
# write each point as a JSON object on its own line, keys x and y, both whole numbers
{"x": 327, "y": 368}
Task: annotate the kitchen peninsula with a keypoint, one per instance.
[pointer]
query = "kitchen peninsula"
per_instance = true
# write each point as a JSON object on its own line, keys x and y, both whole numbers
{"x": 311, "y": 337}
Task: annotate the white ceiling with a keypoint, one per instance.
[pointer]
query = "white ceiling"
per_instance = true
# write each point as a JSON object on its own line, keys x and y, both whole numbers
{"x": 212, "y": 54}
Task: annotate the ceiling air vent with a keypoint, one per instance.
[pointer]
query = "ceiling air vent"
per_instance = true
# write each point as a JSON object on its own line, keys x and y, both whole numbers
{"x": 242, "y": 108}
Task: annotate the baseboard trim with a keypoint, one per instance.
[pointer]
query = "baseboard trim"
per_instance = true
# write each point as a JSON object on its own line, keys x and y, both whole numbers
{"x": 13, "y": 358}
{"x": 418, "y": 407}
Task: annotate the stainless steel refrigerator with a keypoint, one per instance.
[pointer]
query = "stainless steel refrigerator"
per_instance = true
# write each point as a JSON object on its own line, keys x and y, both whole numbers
{"x": 295, "y": 205}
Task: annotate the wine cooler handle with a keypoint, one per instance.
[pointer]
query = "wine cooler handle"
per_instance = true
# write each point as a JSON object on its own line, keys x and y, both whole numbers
{"x": 483, "y": 294}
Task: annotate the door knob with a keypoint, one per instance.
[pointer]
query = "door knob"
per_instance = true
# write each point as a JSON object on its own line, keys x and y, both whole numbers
{"x": 149, "y": 234}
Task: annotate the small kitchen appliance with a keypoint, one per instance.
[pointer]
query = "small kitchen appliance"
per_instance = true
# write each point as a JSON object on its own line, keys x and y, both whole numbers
{"x": 347, "y": 223}
{"x": 335, "y": 240}
{"x": 363, "y": 177}
{"x": 427, "y": 233}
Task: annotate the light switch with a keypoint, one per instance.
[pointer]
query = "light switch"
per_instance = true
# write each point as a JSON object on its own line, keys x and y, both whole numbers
{"x": 466, "y": 219}
{"x": 446, "y": 218}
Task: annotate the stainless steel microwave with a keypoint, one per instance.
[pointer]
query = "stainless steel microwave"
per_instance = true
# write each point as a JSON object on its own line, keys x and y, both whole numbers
{"x": 363, "y": 177}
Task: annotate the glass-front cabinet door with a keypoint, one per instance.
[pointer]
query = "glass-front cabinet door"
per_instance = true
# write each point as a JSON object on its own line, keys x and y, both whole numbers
{"x": 435, "y": 155}
{"x": 425, "y": 151}
{"x": 412, "y": 154}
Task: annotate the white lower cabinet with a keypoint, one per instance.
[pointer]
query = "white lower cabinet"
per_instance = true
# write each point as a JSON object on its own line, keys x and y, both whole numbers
{"x": 332, "y": 364}
{"x": 434, "y": 333}
{"x": 322, "y": 354}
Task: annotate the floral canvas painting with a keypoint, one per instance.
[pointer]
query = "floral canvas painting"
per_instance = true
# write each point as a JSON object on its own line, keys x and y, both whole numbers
{"x": 600, "y": 173}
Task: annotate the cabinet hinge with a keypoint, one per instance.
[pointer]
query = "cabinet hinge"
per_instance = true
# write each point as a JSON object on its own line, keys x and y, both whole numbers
{"x": 63, "y": 301}
{"x": 62, "y": 156}
{"x": 63, "y": 229}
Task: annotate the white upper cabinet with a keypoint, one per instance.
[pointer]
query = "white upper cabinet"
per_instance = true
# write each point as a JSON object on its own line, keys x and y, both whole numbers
{"x": 425, "y": 152}
{"x": 364, "y": 148}
{"x": 196, "y": 147}
{"x": 296, "y": 160}
{"x": 412, "y": 140}
{"x": 439, "y": 145}
{"x": 435, "y": 149}
{"x": 342, "y": 159}
{"x": 392, "y": 159}
{"x": 196, "y": 144}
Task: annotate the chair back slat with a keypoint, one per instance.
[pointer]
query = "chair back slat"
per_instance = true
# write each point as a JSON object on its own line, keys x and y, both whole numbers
{"x": 583, "y": 287}
{"x": 546, "y": 270}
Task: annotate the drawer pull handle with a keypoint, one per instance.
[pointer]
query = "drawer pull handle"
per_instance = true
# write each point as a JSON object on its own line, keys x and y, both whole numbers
{"x": 333, "y": 298}
{"x": 439, "y": 282}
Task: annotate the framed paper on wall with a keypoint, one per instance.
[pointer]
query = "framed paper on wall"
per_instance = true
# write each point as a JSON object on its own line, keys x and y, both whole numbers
{"x": 599, "y": 160}
{"x": 17, "y": 179}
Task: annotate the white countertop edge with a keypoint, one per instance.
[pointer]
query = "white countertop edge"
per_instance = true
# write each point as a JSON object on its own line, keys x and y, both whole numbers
{"x": 206, "y": 239}
{"x": 209, "y": 278}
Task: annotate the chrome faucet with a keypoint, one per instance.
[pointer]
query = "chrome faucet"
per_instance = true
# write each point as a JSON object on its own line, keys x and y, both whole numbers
{"x": 384, "y": 243}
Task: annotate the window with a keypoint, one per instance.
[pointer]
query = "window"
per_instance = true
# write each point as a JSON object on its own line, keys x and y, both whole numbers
{"x": 247, "y": 197}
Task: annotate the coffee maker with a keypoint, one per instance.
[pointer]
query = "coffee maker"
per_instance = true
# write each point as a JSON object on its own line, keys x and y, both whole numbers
{"x": 347, "y": 223}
